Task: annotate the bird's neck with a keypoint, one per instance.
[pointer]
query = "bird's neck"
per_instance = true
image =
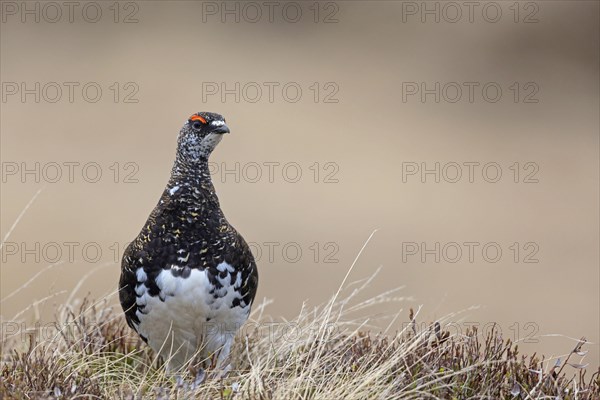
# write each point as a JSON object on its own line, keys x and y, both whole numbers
{"x": 191, "y": 169}
{"x": 192, "y": 175}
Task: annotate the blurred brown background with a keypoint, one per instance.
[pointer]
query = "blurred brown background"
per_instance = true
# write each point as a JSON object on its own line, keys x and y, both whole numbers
{"x": 354, "y": 133}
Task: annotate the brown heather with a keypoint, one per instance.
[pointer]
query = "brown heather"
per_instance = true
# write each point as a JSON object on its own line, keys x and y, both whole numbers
{"x": 92, "y": 354}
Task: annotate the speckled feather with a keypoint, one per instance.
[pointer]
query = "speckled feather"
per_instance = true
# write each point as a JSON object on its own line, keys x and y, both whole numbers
{"x": 188, "y": 232}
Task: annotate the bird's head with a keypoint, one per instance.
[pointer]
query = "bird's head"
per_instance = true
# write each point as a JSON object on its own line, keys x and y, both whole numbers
{"x": 200, "y": 135}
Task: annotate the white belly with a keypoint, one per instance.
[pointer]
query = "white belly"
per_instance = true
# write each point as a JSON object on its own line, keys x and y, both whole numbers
{"x": 190, "y": 318}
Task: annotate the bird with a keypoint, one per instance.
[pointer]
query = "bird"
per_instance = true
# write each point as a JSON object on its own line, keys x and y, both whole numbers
{"x": 188, "y": 280}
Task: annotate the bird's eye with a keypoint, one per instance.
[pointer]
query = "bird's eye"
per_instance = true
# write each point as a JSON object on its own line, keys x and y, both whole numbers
{"x": 197, "y": 121}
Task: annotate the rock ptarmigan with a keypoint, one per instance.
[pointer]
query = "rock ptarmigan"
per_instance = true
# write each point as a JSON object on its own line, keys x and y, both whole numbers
{"x": 188, "y": 279}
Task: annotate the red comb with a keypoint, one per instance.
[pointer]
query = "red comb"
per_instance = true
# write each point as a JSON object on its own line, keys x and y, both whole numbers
{"x": 196, "y": 117}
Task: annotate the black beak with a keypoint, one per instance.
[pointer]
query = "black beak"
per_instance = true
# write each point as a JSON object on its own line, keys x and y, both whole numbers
{"x": 221, "y": 129}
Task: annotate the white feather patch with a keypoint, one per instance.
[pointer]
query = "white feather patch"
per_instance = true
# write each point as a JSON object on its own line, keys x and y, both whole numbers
{"x": 189, "y": 312}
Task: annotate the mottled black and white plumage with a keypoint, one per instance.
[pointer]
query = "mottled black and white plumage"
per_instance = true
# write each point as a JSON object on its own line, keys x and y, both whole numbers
{"x": 188, "y": 280}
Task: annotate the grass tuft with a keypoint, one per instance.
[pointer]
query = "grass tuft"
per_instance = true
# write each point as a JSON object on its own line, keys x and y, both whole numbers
{"x": 323, "y": 353}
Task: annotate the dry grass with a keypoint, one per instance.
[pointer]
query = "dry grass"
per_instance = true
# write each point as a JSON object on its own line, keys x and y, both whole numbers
{"x": 321, "y": 354}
